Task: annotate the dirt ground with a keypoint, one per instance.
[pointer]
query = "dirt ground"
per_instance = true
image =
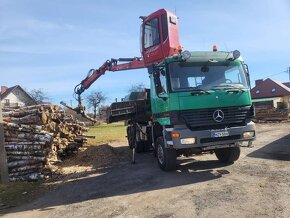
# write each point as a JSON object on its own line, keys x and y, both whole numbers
{"x": 257, "y": 185}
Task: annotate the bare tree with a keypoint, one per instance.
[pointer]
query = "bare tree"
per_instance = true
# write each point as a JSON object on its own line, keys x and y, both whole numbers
{"x": 38, "y": 95}
{"x": 137, "y": 88}
{"x": 94, "y": 99}
{"x": 103, "y": 112}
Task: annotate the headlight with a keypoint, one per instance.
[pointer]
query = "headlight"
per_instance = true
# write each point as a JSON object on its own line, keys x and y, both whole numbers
{"x": 187, "y": 141}
{"x": 236, "y": 54}
{"x": 185, "y": 55}
{"x": 249, "y": 134}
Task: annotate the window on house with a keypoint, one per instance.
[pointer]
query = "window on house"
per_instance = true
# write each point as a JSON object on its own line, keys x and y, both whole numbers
{"x": 258, "y": 91}
{"x": 273, "y": 90}
{"x": 7, "y": 102}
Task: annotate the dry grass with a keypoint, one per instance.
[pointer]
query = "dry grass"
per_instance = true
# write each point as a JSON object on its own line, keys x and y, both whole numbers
{"x": 16, "y": 193}
{"x": 106, "y": 133}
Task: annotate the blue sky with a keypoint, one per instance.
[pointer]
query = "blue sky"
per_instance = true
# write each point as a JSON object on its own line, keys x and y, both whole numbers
{"x": 52, "y": 44}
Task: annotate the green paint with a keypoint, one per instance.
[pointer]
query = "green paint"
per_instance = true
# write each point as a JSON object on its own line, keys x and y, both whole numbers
{"x": 186, "y": 101}
{"x": 163, "y": 121}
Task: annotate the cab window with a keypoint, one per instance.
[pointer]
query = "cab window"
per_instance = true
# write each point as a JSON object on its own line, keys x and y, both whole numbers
{"x": 151, "y": 33}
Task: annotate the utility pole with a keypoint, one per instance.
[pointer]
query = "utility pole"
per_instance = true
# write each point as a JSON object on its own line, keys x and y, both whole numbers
{"x": 3, "y": 156}
{"x": 289, "y": 73}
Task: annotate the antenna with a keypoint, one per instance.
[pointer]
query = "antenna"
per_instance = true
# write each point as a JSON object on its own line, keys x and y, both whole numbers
{"x": 225, "y": 44}
{"x": 289, "y": 73}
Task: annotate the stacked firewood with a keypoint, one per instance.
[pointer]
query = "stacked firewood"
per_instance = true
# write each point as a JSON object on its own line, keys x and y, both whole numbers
{"x": 265, "y": 115}
{"x": 37, "y": 137}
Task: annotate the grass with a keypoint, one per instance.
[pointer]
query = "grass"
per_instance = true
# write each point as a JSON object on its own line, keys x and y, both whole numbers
{"x": 16, "y": 193}
{"x": 106, "y": 133}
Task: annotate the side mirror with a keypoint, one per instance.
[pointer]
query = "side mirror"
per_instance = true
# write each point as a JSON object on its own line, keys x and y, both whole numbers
{"x": 157, "y": 82}
{"x": 247, "y": 74}
{"x": 160, "y": 92}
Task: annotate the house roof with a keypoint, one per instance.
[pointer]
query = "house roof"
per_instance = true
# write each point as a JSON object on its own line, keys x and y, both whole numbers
{"x": 8, "y": 90}
{"x": 269, "y": 88}
{"x": 11, "y": 89}
{"x": 282, "y": 85}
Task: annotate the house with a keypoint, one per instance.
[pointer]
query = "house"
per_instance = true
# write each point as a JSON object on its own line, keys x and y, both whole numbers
{"x": 15, "y": 96}
{"x": 270, "y": 93}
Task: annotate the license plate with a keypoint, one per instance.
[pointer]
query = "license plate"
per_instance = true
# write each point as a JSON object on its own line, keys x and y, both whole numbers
{"x": 219, "y": 133}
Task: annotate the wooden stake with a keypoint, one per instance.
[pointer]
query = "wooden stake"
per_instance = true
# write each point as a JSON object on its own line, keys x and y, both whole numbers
{"x": 3, "y": 156}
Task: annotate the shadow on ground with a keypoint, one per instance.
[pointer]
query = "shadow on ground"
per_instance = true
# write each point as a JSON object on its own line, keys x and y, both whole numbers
{"x": 276, "y": 150}
{"x": 124, "y": 179}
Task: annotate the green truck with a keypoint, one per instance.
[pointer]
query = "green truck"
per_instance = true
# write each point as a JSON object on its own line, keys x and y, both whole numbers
{"x": 198, "y": 102}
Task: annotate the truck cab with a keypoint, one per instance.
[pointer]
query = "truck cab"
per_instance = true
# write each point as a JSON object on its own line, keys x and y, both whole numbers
{"x": 202, "y": 102}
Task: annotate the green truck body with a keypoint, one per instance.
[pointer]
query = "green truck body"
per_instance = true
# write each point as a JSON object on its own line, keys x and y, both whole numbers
{"x": 196, "y": 104}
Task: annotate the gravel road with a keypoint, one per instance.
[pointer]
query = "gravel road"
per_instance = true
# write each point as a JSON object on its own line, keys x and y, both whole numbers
{"x": 257, "y": 185}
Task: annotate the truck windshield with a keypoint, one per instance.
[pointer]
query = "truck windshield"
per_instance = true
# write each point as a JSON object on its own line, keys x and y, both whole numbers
{"x": 206, "y": 76}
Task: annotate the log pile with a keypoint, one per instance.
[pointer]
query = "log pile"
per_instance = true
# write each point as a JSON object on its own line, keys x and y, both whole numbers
{"x": 37, "y": 137}
{"x": 273, "y": 114}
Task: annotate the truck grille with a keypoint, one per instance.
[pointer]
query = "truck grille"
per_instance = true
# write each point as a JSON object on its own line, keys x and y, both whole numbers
{"x": 203, "y": 118}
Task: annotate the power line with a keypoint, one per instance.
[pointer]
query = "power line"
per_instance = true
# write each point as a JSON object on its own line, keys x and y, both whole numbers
{"x": 285, "y": 71}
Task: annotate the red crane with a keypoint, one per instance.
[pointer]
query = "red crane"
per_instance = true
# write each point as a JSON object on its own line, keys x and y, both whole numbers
{"x": 159, "y": 39}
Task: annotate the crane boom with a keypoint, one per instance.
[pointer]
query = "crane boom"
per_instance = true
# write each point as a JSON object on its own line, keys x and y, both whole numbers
{"x": 109, "y": 65}
{"x": 159, "y": 39}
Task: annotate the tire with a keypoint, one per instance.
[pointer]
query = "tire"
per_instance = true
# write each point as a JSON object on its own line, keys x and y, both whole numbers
{"x": 166, "y": 157}
{"x": 228, "y": 155}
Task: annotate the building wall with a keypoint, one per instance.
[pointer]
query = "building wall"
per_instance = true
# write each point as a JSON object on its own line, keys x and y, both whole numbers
{"x": 273, "y": 103}
{"x": 284, "y": 99}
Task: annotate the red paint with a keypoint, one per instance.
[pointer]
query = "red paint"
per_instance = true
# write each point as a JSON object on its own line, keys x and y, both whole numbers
{"x": 155, "y": 54}
{"x": 167, "y": 47}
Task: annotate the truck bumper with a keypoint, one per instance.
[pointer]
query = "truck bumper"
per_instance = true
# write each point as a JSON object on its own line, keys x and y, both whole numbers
{"x": 204, "y": 138}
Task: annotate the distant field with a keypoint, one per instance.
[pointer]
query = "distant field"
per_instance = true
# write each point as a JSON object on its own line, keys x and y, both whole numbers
{"x": 106, "y": 133}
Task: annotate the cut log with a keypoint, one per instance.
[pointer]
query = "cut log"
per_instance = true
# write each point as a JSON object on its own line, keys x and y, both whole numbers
{"x": 40, "y": 153}
{"x": 16, "y": 158}
{"x": 29, "y": 119}
{"x": 21, "y": 163}
{"x": 28, "y": 177}
{"x": 27, "y": 167}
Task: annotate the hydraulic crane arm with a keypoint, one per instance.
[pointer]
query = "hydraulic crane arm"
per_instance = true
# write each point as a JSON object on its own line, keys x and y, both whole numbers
{"x": 109, "y": 65}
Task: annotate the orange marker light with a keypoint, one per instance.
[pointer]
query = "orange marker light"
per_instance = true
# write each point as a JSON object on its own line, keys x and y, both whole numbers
{"x": 179, "y": 48}
{"x": 175, "y": 135}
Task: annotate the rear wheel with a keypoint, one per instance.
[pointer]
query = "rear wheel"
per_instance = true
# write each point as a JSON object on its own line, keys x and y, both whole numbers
{"x": 166, "y": 157}
{"x": 228, "y": 155}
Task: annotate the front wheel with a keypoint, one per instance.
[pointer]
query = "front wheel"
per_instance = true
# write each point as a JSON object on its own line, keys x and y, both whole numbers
{"x": 228, "y": 155}
{"x": 166, "y": 157}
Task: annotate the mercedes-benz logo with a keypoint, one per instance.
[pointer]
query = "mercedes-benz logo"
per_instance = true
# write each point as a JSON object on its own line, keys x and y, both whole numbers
{"x": 218, "y": 116}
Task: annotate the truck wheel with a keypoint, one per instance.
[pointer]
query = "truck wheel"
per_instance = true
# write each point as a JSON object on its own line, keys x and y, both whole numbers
{"x": 228, "y": 155}
{"x": 166, "y": 157}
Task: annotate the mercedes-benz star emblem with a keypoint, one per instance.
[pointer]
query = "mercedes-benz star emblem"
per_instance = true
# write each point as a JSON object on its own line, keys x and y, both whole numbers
{"x": 218, "y": 116}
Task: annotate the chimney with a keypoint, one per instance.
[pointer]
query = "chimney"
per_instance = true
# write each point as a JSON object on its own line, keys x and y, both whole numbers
{"x": 287, "y": 84}
{"x": 258, "y": 82}
{"x": 3, "y": 89}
